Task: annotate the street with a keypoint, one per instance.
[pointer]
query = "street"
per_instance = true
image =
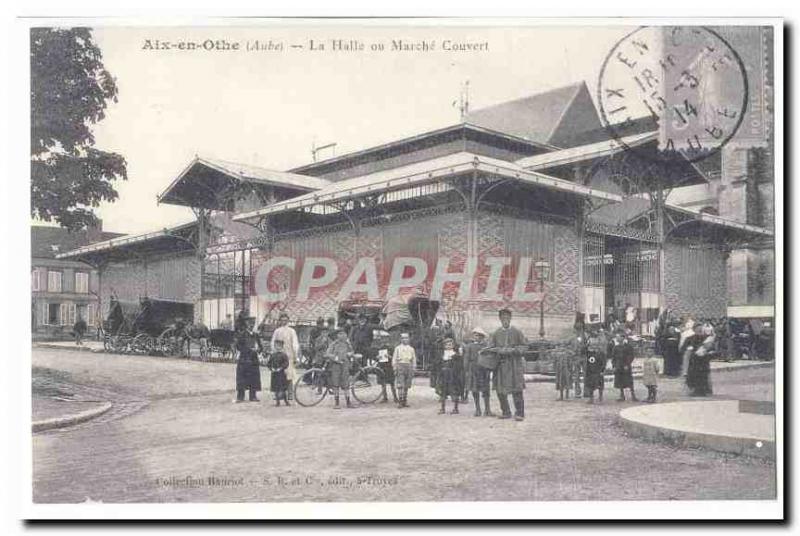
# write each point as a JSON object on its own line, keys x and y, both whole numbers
{"x": 175, "y": 436}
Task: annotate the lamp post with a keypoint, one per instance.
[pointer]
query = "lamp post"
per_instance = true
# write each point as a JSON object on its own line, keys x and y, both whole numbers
{"x": 543, "y": 271}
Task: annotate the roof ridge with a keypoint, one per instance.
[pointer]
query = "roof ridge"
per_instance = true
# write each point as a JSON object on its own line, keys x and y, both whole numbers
{"x": 575, "y": 85}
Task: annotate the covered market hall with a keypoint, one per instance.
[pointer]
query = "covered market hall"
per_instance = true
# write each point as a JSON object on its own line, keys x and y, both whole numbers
{"x": 529, "y": 205}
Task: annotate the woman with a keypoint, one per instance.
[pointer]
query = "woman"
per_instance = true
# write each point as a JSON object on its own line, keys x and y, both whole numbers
{"x": 248, "y": 373}
{"x": 699, "y": 370}
{"x": 622, "y": 360}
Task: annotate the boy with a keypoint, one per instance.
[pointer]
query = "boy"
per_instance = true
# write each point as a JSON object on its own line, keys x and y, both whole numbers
{"x": 340, "y": 358}
{"x": 476, "y": 377}
{"x": 595, "y": 365}
{"x": 403, "y": 360}
{"x": 650, "y": 377}
{"x": 277, "y": 363}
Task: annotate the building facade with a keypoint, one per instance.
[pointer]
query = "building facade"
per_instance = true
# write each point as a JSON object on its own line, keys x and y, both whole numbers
{"x": 62, "y": 291}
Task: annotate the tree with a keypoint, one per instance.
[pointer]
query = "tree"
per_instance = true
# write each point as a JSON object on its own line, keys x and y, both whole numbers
{"x": 70, "y": 90}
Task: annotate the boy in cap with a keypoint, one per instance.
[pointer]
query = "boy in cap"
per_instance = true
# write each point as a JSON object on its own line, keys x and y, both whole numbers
{"x": 340, "y": 358}
{"x": 476, "y": 377}
{"x": 403, "y": 360}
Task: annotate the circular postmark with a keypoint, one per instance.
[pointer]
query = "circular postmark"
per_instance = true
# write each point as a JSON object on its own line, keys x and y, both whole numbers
{"x": 684, "y": 82}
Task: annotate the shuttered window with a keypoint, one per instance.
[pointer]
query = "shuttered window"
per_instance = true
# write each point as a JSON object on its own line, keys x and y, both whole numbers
{"x": 53, "y": 281}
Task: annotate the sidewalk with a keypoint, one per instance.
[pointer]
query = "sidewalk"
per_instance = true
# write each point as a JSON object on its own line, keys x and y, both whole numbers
{"x": 49, "y": 413}
{"x": 714, "y": 424}
{"x": 716, "y": 366}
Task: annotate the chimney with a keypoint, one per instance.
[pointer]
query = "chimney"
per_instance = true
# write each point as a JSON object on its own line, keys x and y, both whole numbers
{"x": 94, "y": 233}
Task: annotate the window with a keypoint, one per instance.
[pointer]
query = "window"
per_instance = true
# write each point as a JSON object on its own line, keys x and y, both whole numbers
{"x": 54, "y": 281}
{"x": 82, "y": 282}
{"x": 91, "y": 313}
{"x": 53, "y": 314}
{"x": 35, "y": 280}
{"x": 67, "y": 314}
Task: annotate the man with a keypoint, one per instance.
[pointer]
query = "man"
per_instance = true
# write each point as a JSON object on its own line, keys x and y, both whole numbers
{"x": 403, "y": 361}
{"x": 361, "y": 337}
{"x": 80, "y": 330}
{"x": 291, "y": 346}
{"x": 509, "y": 344}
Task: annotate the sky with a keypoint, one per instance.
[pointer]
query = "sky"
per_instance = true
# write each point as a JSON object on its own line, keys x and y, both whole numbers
{"x": 267, "y": 108}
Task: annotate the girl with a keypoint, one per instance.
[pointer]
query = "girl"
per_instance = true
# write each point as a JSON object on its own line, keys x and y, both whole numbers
{"x": 451, "y": 374}
{"x": 277, "y": 363}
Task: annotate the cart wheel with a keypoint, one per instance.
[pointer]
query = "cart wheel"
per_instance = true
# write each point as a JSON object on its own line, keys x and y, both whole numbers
{"x": 366, "y": 385}
{"x": 311, "y": 387}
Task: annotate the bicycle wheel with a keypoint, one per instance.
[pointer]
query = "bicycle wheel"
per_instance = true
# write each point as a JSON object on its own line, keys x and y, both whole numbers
{"x": 366, "y": 385}
{"x": 310, "y": 388}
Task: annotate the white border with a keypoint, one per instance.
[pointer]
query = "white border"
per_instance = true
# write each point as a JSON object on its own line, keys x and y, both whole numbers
{"x": 18, "y": 491}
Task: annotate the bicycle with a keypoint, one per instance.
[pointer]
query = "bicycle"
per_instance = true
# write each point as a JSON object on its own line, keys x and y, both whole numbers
{"x": 312, "y": 386}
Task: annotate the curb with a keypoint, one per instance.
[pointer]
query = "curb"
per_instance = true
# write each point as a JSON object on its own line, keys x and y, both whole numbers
{"x": 75, "y": 348}
{"x": 683, "y": 439}
{"x": 69, "y": 420}
{"x": 537, "y": 378}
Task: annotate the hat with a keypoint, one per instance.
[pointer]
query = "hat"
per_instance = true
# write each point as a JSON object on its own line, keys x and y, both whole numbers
{"x": 283, "y": 315}
{"x": 479, "y": 331}
{"x": 504, "y": 311}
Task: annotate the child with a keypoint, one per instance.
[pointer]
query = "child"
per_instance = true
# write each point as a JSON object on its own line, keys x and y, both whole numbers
{"x": 277, "y": 363}
{"x": 562, "y": 362}
{"x": 650, "y": 377}
{"x": 595, "y": 366}
{"x": 385, "y": 364}
{"x": 451, "y": 372}
{"x": 403, "y": 360}
{"x": 476, "y": 377}
{"x": 340, "y": 357}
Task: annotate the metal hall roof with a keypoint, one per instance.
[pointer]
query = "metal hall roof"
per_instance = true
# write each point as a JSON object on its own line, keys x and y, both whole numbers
{"x": 173, "y": 239}
{"x": 418, "y": 174}
{"x": 204, "y": 182}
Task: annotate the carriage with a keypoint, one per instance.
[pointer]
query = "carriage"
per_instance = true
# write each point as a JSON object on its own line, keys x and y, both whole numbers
{"x": 151, "y": 327}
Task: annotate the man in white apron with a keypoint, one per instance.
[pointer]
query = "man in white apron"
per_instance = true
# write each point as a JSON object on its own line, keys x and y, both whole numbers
{"x": 291, "y": 346}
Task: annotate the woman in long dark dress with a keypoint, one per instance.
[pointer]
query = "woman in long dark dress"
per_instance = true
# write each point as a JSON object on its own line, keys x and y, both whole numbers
{"x": 248, "y": 373}
{"x": 669, "y": 349}
{"x": 698, "y": 373}
{"x": 622, "y": 360}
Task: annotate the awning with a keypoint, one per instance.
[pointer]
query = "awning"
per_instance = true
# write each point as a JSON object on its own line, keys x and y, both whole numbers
{"x": 205, "y": 181}
{"x": 584, "y": 152}
{"x": 174, "y": 239}
{"x": 422, "y": 173}
{"x": 646, "y": 164}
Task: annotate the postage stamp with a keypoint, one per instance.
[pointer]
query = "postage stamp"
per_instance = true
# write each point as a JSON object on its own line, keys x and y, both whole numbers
{"x": 323, "y": 268}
